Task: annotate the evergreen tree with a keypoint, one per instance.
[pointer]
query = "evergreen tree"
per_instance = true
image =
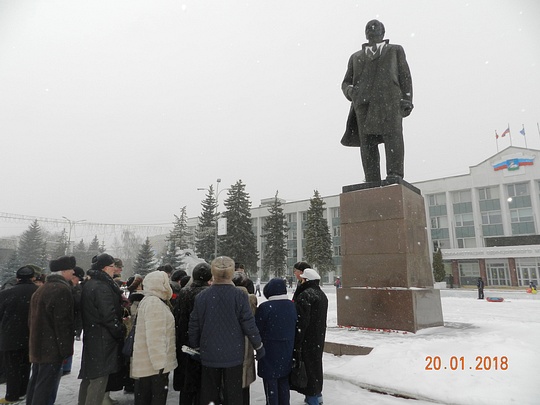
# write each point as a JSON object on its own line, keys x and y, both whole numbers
{"x": 177, "y": 239}
{"x": 128, "y": 252}
{"x": 145, "y": 261}
{"x": 438, "y": 266}
{"x": 32, "y": 246}
{"x": 81, "y": 255}
{"x": 240, "y": 243}
{"x": 318, "y": 248}
{"x": 93, "y": 247}
{"x": 206, "y": 230}
{"x": 9, "y": 269}
{"x": 275, "y": 234}
{"x": 62, "y": 247}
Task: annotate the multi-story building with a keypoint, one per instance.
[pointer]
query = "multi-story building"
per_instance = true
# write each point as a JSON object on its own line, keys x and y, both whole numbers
{"x": 485, "y": 222}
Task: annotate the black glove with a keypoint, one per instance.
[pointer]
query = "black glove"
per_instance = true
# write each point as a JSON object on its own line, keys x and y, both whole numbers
{"x": 260, "y": 352}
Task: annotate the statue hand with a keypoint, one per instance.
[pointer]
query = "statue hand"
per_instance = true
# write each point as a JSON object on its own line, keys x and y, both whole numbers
{"x": 406, "y": 107}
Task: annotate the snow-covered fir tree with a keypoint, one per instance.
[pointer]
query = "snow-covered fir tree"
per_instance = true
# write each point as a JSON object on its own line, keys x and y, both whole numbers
{"x": 240, "y": 243}
{"x": 275, "y": 238}
{"x": 145, "y": 262}
{"x": 206, "y": 228}
{"x": 318, "y": 249}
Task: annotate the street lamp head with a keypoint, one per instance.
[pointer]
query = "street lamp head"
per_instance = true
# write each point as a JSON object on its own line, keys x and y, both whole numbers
{"x": 218, "y": 180}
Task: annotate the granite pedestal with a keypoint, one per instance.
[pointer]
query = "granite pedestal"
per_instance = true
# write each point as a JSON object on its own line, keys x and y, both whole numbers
{"x": 387, "y": 278}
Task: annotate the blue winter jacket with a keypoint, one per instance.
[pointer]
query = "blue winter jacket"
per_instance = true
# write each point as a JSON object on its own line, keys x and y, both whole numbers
{"x": 218, "y": 323}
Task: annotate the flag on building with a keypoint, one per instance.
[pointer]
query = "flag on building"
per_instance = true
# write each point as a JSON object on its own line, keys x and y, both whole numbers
{"x": 522, "y": 131}
{"x": 506, "y": 132}
{"x": 496, "y": 135}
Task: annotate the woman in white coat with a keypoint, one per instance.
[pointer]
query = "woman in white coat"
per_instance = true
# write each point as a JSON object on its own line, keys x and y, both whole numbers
{"x": 154, "y": 349}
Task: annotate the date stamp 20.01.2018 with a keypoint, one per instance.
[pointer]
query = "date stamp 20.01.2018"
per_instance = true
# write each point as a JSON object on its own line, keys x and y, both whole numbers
{"x": 455, "y": 363}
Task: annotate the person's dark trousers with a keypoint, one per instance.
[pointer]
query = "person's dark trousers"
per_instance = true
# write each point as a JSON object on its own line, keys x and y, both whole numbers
{"x": 17, "y": 369}
{"x": 480, "y": 293}
{"x": 245, "y": 396}
{"x": 43, "y": 383}
{"x": 152, "y": 390}
{"x": 211, "y": 383}
{"x": 277, "y": 391}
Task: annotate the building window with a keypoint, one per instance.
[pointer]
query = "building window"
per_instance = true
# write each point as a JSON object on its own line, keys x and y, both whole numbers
{"x": 437, "y": 199}
{"x": 497, "y": 273}
{"x": 439, "y": 222}
{"x": 335, "y": 212}
{"x": 522, "y": 221}
{"x": 468, "y": 272}
{"x": 464, "y": 219}
{"x": 518, "y": 189}
{"x": 462, "y": 196}
{"x": 291, "y": 217}
{"x": 336, "y": 231}
{"x": 440, "y": 244}
{"x": 528, "y": 270}
{"x": 488, "y": 193}
{"x": 465, "y": 243}
{"x": 292, "y": 235}
{"x": 337, "y": 250}
{"x": 304, "y": 216}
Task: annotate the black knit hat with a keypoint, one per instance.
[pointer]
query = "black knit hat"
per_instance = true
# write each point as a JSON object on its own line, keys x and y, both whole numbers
{"x": 178, "y": 275}
{"x": 25, "y": 272}
{"x": 63, "y": 263}
{"x": 101, "y": 261}
{"x": 202, "y": 272}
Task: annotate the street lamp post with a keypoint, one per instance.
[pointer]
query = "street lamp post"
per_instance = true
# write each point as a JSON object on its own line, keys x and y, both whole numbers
{"x": 71, "y": 225}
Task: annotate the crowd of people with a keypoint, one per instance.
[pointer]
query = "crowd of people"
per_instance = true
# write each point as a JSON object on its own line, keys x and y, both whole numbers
{"x": 206, "y": 328}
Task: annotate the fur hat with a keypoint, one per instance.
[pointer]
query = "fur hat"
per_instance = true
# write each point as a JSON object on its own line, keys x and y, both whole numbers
{"x": 79, "y": 272}
{"x": 222, "y": 268}
{"x": 134, "y": 282}
{"x": 101, "y": 261}
{"x": 25, "y": 272}
{"x": 239, "y": 279}
{"x": 118, "y": 263}
{"x": 276, "y": 286}
{"x": 63, "y": 263}
{"x": 167, "y": 268}
{"x": 310, "y": 274}
{"x": 202, "y": 272}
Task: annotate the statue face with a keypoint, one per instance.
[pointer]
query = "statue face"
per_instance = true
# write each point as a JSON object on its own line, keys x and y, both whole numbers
{"x": 374, "y": 31}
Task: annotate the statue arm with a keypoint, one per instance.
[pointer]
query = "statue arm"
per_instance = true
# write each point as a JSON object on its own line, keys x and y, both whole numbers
{"x": 347, "y": 85}
{"x": 405, "y": 79}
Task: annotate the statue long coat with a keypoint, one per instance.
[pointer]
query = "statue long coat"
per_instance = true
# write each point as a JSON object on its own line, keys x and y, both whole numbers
{"x": 379, "y": 83}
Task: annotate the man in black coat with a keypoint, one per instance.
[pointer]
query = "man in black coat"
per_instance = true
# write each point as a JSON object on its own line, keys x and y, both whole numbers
{"x": 378, "y": 83}
{"x": 14, "y": 333}
{"x": 312, "y": 307}
{"x": 103, "y": 330}
{"x": 51, "y": 331}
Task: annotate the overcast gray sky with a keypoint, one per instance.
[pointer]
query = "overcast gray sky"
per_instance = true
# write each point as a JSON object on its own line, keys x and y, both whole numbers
{"x": 117, "y": 111}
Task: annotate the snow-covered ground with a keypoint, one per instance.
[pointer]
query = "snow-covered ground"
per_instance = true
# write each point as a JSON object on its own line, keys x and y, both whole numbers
{"x": 487, "y": 353}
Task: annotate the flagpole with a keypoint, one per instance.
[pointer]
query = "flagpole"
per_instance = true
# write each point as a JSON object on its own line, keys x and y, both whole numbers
{"x": 510, "y": 133}
{"x": 497, "y": 139}
{"x": 524, "y": 135}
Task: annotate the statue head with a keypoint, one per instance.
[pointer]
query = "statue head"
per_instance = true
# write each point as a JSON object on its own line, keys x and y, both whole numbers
{"x": 374, "y": 31}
